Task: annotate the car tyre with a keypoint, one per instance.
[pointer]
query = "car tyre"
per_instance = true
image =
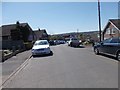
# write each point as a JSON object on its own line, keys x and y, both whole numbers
{"x": 33, "y": 56}
{"x": 71, "y": 44}
{"x": 96, "y": 51}
{"x": 51, "y": 53}
{"x": 118, "y": 56}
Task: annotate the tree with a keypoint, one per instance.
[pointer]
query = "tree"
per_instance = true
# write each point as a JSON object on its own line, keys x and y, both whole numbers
{"x": 56, "y": 37}
{"x": 25, "y": 33}
{"x": 22, "y": 32}
{"x": 80, "y": 36}
{"x": 15, "y": 34}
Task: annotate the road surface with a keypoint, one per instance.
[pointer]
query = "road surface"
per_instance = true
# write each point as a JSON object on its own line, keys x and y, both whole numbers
{"x": 68, "y": 68}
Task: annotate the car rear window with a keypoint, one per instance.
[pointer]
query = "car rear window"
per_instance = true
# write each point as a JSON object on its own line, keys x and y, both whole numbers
{"x": 115, "y": 40}
{"x": 41, "y": 43}
{"x": 107, "y": 41}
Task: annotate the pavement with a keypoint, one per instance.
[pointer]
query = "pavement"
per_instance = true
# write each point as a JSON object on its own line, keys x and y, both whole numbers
{"x": 68, "y": 68}
{"x": 13, "y": 63}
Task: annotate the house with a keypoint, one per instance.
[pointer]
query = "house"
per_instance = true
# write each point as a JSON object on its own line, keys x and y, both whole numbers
{"x": 41, "y": 34}
{"x": 112, "y": 29}
{"x": 16, "y": 34}
{"x": 17, "y": 31}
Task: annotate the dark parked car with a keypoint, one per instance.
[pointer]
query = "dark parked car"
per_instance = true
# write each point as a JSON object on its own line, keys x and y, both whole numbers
{"x": 52, "y": 42}
{"x": 61, "y": 42}
{"x": 74, "y": 42}
{"x": 109, "y": 46}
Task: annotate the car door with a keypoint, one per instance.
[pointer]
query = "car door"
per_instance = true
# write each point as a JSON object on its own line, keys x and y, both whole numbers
{"x": 113, "y": 46}
{"x": 104, "y": 46}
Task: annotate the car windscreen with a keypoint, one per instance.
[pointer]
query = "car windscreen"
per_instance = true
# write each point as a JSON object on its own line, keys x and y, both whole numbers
{"x": 41, "y": 43}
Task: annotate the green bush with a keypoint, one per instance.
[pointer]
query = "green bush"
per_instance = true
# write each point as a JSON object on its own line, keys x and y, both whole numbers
{"x": 28, "y": 45}
{"x": 87, "y": 43}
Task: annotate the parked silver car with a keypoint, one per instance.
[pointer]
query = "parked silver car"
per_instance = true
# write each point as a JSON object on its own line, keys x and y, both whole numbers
{"x": 41, "y": 47}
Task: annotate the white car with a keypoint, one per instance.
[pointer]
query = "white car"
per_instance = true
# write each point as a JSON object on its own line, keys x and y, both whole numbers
{"x": 74, "y": 42}
{"x": 41, "y": 47}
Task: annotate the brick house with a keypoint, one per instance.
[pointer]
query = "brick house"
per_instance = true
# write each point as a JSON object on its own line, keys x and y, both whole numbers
{"x": 112, "y": 29}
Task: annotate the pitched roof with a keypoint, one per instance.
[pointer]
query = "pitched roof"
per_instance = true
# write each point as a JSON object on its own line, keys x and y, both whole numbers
{"x": 6, "y": 29}
{"x": 40, "y": 33}
{"x": 116, "y": 22}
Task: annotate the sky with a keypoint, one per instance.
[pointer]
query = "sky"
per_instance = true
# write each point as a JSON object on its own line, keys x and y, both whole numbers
{"x": 59, "y": 17}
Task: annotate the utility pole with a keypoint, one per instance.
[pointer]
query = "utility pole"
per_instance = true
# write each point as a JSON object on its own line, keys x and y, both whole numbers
{"x": 99, "y": 20}
{"x": 77, "y": 32}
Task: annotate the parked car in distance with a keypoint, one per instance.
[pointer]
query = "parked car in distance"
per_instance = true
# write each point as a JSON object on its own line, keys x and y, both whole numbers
{"x": 61, "y": 41}
{"x": 109, "y": 46}
{"x": 41, "y": 47}
{"x": 52, "y": 42}
{"x": 73, "y": 42}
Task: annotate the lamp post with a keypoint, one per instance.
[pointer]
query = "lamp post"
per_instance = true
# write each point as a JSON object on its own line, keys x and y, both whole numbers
{"x": 99, "y": 20}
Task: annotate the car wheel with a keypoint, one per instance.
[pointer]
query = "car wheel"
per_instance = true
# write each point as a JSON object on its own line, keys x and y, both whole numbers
{"x": 96, "y": 51}
{"x": 71, "y": 44}
{"x": 68, "y": 44}
{"x": 118, "y": 56}
{"x": 33, "y": 56}
{"x": 51, "y": 53}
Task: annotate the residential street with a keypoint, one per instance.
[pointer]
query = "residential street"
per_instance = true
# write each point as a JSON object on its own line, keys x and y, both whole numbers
{"x": 68, "y": 68}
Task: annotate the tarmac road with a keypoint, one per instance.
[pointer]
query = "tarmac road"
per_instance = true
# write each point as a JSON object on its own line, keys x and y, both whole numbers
{"x": 68, "y": 68}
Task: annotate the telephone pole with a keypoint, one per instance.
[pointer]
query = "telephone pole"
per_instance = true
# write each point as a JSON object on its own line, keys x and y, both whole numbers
{"x": 99, "y": 20}
{"x": 77, "y": 32}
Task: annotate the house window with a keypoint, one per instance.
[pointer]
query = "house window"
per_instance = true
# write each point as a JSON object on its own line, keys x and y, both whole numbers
{"x": 108, "y": 31}
{"x": 113, "y": 30}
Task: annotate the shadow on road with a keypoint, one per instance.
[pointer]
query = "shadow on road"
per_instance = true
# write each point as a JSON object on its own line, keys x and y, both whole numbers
{"x": 45, "y": 55}
{"x": 108, "y": 56}
{"x": 79, "y": 47}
